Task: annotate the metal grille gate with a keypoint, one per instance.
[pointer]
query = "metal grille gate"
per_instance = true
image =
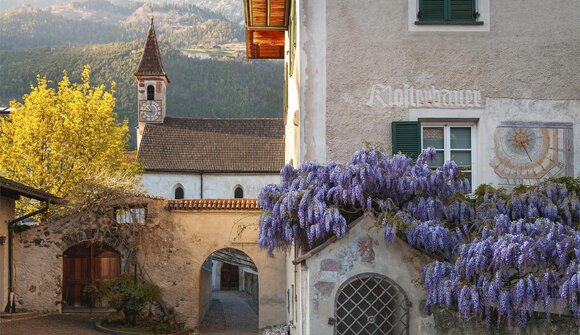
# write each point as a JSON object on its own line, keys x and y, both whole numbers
{"x": 369, "y": 304}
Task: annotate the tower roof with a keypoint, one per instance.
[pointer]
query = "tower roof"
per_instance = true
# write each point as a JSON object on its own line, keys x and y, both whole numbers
{"x": 151, "y": 63}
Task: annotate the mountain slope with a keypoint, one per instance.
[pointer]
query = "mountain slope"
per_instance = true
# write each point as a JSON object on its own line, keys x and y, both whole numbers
{"x": 198, "y": 88}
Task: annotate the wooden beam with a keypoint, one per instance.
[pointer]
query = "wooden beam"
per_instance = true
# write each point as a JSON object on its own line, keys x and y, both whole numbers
{"x": 273, "y": 38}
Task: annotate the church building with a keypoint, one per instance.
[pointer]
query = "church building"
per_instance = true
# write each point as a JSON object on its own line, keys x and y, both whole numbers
{"x": 200, "y": 157}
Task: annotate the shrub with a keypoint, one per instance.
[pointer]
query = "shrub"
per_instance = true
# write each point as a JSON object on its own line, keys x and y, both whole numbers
{"x": 129, "y": 295}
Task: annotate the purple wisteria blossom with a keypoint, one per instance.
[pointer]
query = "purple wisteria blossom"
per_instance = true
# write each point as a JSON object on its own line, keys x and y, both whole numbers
{"x": 498, "y": 257}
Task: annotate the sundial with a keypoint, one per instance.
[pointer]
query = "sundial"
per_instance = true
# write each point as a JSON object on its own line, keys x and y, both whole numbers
{"x": 526, "y": 153}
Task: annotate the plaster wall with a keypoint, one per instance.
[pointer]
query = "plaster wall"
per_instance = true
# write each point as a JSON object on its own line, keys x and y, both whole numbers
{"x": 214, "y": 185}
{"x": 204, "y": 292}
{"x": 527, "y": 57}
{"x": 6, "y": 214}
{"x": 518, "y": 58}
{"x": 172, "y": 252}
{"x": 312, "y": 53}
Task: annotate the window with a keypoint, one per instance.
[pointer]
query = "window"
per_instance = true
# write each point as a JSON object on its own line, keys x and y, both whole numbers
{"x": 179, "y": 193}
{"x": 452, "y": 142}
{"x": 150, "y": 92}
{"x": 238, "y": 192}
{"x": 370, "y": 303}
{"x": 135, "y": 215}
{"x": 447, "y": 11}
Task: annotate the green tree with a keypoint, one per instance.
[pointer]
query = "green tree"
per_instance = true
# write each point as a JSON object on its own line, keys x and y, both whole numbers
{"x": 65, "y": 140}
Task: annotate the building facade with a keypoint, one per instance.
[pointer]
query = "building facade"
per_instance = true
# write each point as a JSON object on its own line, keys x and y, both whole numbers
{"x": 493, "y": 86}
{"x": 197, "y": 157}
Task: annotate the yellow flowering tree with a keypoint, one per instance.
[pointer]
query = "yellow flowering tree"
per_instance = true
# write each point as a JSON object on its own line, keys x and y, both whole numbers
{"x": 66, "y": 140}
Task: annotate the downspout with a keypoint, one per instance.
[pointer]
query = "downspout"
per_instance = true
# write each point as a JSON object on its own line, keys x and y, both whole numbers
{"x": 201, "y": 185}
{"x": 11, "y": 305}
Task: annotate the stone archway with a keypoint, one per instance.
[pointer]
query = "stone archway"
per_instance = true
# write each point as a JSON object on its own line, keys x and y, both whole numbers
{"x": 87, "y": 264}
{"x": 229, "y": 292}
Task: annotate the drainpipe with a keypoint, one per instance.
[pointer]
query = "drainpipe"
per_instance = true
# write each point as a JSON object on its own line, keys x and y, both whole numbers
{"x": 11, "y": 306}
{"x": 201, "y": 185}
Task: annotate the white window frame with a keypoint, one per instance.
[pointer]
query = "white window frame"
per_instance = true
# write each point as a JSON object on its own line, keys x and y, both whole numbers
{"x": 483, "y": 8}
{"x": 447, "y": 143}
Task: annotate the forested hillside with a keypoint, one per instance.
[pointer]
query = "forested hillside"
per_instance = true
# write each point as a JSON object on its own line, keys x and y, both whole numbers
{"x": 204, "y": 88}
{"x": 109, "y": 36}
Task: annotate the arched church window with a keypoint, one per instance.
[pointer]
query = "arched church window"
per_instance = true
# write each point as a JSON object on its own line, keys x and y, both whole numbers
{"x": 150, "y": 92}
{"x": 238, "y": 192}
{"x": 179, "y": 193}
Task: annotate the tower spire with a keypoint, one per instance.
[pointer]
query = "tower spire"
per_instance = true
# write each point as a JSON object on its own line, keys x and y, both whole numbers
{"x": 151, "y": 63}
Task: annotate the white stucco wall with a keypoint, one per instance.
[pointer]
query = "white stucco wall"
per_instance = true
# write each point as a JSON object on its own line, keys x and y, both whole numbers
{"x": 214, "y": 185}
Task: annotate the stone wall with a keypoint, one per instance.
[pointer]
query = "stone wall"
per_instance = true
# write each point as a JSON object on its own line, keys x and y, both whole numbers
{"x": 172, "y": 249}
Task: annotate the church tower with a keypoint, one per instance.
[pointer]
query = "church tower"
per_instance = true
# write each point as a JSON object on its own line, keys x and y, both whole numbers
{"x": 151, "y": 87}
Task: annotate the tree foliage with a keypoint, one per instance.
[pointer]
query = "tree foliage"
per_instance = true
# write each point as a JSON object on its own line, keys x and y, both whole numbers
{"x": 496, "y": 255}
{"x": 62, "y": 139}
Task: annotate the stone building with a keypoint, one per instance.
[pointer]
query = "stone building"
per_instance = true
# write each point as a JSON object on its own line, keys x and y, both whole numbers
{"x": 200, "y": 158}
{"x": 491, "y": 85}
{"x": 175, "y": 240}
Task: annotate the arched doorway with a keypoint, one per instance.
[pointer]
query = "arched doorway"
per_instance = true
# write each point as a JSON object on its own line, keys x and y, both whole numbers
{"x": 87, "y": 264}
{"x": 370, "y": 303}
{"x": 228, "y": 292}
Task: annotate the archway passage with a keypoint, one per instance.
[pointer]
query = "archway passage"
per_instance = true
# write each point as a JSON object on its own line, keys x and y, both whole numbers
{"x": 88, "y": 264}
{"x": 229, "y": 293}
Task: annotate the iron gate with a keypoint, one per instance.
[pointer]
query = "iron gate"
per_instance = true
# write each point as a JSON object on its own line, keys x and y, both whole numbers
{"x": 369, "y": 304}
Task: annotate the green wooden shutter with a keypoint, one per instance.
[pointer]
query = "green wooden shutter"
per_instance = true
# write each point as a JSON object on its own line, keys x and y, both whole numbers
{"x": 406, "y": 138}
{"x": 462, "y": 10}
{"x": 432, "y": 10}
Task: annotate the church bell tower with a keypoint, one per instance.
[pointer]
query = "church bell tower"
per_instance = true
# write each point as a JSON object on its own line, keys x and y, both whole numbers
{"x": 152, "y": 83}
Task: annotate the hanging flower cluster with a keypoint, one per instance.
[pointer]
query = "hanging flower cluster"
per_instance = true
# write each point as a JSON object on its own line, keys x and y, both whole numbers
{"x": 502, "y": 255}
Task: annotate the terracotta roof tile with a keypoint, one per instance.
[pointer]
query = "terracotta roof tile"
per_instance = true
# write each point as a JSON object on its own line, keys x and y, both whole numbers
{"x": 151, "y": 63}
{"x": 213, "y": 204}
{"x": 213, "y": 145}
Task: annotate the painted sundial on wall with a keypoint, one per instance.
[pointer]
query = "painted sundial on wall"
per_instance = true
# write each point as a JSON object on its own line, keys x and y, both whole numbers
{"x": 528, "y": 152}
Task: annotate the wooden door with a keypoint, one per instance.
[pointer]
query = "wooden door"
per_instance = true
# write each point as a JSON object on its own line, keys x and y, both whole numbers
{"x": 86, "y": 264}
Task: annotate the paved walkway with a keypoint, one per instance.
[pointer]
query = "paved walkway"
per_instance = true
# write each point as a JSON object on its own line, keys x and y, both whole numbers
{"x": 239, "y": 318}
{"x": 51, "y": 324}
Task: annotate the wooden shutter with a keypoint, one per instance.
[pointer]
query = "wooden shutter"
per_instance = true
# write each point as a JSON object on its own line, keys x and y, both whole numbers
{"x": 432, "y": 10}
{"x": 406, "y": 138}
{"x": 462, "y": 10}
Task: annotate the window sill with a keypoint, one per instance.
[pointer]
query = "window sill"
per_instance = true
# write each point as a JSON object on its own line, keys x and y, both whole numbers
{"x": 449, "y": 23}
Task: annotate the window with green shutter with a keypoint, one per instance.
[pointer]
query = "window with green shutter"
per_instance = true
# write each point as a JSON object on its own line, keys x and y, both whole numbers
{"x": 447, "y": 11}
{"x": 406, "y": 136}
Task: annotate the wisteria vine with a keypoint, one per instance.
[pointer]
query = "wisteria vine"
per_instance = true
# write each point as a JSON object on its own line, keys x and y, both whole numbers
{"x": 497, "y": 255}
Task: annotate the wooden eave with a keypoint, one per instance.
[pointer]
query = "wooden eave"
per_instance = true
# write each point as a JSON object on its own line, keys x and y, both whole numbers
{"x": 266, "y": 24}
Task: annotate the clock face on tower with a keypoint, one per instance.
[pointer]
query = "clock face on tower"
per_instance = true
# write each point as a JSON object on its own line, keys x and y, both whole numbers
{"x": 149, "y": 110}
{"x": 526, "y": 153}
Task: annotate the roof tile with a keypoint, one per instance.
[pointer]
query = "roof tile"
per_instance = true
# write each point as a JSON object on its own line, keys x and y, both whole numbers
{"x": 213, "y": 204}
{"x": 213, "y": 145}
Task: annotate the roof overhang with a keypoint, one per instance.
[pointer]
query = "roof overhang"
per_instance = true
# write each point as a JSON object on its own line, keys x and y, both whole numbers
{"x": 266, "y": 24}
{"x": 15, "y": 190}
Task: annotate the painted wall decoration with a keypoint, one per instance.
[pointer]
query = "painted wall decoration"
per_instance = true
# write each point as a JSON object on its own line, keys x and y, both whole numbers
{"x": 409, "y": 96}
{"x": 529, "y": 152}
